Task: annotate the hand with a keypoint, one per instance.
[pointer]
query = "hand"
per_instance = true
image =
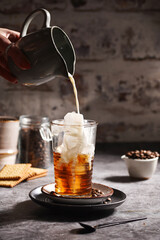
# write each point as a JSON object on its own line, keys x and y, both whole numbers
{"x": 8, "y": 37}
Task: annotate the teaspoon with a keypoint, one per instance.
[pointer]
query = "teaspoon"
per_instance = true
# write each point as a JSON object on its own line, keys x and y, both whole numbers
{"x": 90, "y": 228}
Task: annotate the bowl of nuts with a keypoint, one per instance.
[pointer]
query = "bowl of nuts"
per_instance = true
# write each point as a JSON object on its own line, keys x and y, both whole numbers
{"x": 141, "y": 163}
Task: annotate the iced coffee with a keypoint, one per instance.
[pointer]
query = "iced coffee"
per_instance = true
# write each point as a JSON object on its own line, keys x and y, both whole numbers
{"x": 73, "y": 150}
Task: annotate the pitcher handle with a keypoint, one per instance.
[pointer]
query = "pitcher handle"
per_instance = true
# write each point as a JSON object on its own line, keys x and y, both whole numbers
{"x": 31, "y": 16}
{"x": 45, "y": 133}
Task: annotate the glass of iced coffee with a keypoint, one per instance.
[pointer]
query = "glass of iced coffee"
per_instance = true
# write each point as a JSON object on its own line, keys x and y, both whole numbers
{"x": 73, "y": 152}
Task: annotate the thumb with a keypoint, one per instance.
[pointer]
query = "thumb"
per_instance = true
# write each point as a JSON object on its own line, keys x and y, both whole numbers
{"x": 18, "y": 57}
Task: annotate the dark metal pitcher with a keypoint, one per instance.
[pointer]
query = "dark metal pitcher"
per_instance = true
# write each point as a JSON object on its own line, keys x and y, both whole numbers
{"x": 49, "y": 51}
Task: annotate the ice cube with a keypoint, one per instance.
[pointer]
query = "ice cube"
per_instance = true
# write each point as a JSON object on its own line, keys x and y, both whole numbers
{"x": 73, "y": 135}
{"x": 73, "y": 118}
{"x": 70, "y": 141}
{"x": 87, "y": 149}
{"x": 76, "y": 138}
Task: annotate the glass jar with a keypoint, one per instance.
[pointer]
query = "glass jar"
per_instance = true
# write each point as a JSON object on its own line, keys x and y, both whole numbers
{"x": 32, "y": 148}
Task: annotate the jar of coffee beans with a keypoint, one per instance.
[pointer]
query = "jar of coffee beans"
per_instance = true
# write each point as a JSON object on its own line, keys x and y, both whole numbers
{"x": 32, "y": 148}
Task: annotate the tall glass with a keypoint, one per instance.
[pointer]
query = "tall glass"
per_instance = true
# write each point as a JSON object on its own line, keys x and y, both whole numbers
{"x": 73, "y": 153}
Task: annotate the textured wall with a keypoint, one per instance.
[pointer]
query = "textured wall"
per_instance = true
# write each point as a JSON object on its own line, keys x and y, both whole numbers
{"x": 117, "y": 44}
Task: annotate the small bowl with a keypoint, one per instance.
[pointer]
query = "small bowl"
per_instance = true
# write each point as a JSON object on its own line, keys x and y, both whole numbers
{"x": 141, "y": 168}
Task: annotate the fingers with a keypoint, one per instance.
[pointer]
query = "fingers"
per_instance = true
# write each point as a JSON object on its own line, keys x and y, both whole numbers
{"x": 18, "y": 57}
{"x": 7, "y": 37}
{"x": 4, "y": 42}
{"x": 7, "y": 75}
{"x": 13, "y": 36}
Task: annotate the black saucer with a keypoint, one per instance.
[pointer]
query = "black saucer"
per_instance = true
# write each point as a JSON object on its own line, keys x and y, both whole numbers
{"x": 40, "y": 198}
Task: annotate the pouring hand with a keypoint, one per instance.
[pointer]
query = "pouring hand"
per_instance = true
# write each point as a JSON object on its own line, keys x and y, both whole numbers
{"x": 7, "y": 48}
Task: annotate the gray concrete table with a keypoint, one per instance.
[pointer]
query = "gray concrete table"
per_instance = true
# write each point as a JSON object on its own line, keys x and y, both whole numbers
{"x": 20, "y": 218}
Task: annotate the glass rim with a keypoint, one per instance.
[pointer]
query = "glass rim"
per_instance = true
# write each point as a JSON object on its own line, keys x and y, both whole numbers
{"x": 60, "y": 122}
{"x": 33, "y": 120}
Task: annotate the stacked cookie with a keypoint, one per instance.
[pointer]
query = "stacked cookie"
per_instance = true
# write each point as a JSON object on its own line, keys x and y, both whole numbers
{"x": 11, "y": 175}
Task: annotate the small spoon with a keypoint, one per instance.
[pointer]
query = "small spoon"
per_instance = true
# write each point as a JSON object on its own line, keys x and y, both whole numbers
{"x": 90, "y": 228}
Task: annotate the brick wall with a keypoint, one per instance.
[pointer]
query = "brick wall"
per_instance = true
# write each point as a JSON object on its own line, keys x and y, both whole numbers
{"x": 117, "y": 44}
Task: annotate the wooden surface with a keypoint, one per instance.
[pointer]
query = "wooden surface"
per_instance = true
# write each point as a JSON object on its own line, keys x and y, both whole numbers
{"x": 20, "y": 218}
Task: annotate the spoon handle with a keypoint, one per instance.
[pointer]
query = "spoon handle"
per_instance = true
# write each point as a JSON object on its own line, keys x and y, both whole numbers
{"x": 119, "y": 222}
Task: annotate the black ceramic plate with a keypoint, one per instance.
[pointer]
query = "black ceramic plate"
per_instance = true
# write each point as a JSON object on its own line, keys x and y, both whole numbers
{"x": 40, "y": 198}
